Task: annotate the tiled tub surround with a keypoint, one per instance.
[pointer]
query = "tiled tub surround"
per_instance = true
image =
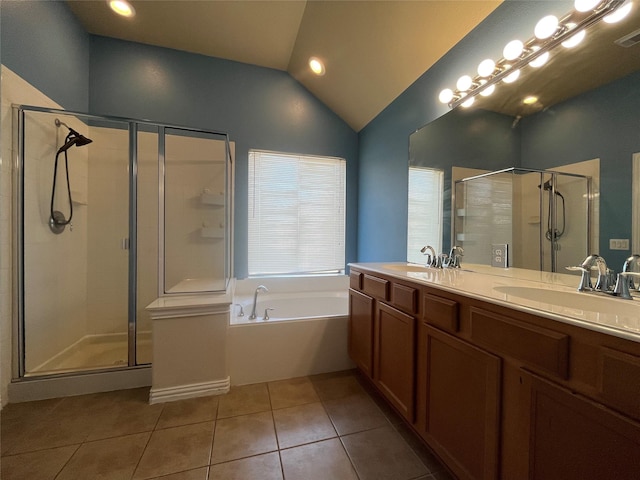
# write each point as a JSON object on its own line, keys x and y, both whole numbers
{"x": 321, "y": 427}
{"x": 505, "y": 374}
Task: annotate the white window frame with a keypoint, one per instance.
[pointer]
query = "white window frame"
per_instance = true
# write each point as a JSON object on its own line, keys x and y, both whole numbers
{"x": 296, "y": 214}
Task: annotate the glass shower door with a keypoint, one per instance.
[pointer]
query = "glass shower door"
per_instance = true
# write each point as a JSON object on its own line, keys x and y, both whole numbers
{"x": 75, "y": 267}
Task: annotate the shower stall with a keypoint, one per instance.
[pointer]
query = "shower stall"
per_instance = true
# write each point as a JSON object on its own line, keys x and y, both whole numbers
{"x": 111, "y": 213}
{"x": 544, "y": 217}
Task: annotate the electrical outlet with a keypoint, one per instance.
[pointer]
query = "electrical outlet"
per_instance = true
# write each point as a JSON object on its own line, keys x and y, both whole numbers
{"x": 618, "y": 244}
{"x": 500, "y": 255}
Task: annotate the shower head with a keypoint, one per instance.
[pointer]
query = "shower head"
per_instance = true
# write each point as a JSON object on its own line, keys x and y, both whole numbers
{"x": 73, "y": 138}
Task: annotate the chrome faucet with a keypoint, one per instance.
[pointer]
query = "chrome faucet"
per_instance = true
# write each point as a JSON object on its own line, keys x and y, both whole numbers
{"x": 433, "y": 260}
{"x": 455, "y": 255}
{"x": 261, "y": 288}
{"x": 602, "y": 283}
{"x": 629, "y": 263}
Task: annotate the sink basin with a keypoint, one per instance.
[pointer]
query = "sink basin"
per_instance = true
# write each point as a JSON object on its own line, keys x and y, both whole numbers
{"x": 592, "y": 302}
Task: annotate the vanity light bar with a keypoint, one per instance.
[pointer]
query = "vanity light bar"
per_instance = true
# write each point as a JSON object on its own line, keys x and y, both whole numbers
{"x": 533, "y": 49}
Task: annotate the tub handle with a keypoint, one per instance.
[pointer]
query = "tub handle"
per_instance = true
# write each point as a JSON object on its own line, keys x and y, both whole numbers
{"x": 266, "y": 313}
{"x": 241, "y": 314}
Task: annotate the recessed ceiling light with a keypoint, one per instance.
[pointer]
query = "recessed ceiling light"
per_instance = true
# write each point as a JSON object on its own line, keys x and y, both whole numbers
{"x": 530, "y": 100}
{"x": 316, "y": 66}
{"x": 122, "y": 7}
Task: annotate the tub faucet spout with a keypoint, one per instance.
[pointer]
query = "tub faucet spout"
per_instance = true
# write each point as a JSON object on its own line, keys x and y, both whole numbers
{"x": 629, "y": 263}
{"x": 261, "y": 288}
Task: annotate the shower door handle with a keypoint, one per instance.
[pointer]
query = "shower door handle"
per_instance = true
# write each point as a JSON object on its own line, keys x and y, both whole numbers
{"x": 124, "y": 245}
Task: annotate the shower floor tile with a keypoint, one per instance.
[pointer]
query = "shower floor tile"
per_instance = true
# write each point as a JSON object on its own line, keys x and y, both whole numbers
{"x": 322, "y": 426}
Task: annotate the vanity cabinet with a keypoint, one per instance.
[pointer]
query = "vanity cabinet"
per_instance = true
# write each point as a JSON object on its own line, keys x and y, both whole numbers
{"x": 498, "y": 393}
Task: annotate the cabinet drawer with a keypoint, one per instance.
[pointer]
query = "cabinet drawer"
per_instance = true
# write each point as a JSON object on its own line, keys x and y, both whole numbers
{"x": 535, "y": 346}
{"x": 378, "y": 287}
{"x": 619, "y": 380}
{"x": 405, "y": 298}
{"x": 355, "y": 280}
{"x": 441, "y": 312}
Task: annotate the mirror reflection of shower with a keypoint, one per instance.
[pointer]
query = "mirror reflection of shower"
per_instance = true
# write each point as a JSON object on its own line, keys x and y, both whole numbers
{"x": 554, "y": 233}
{"x": 57, "y": 219}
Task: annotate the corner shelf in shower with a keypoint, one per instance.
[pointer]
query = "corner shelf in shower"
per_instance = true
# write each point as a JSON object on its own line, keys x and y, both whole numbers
{"x": 212, "y": 232}
{"x": 79, "y": 198}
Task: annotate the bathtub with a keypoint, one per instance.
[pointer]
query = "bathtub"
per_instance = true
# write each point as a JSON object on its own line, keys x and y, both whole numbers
{"x": 306, "y": 333}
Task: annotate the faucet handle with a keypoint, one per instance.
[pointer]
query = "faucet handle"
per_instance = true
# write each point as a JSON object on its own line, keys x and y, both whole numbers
{"x": 241, "y": 314}
{"x": 266, "y": 313}
{"x": 585, "y": 280}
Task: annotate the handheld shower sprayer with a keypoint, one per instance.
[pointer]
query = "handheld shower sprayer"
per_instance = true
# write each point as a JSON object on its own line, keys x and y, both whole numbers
{"x": 57, "y": 220}
{"x": 552, "y": 233}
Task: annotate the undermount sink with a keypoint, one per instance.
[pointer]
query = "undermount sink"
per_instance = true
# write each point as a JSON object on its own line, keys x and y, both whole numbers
{"x": 592, "y": 302}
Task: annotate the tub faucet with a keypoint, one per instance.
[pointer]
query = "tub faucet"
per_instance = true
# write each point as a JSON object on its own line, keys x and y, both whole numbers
{"x": 629, "y": 263}
{"x": 261, "y": 288}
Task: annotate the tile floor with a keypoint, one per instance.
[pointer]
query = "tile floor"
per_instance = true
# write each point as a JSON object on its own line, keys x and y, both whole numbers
{"x": 325, "y": 427}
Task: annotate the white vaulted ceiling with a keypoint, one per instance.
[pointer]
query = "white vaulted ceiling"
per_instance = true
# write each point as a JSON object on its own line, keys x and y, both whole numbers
{"x": 373, "y": 50}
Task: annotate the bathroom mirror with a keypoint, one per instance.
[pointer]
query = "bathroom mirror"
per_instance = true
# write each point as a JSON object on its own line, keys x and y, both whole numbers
{"x": 588, "y": 109}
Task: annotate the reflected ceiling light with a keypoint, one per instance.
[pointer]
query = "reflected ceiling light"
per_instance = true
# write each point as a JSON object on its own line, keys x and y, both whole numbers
{"x": 512, "y": 77}
{"x": 513, "y": 50}
{"x": 486, "y": 67}
{"x": 316, "y": 66}
{"x": 586, "y": 5}
{"x": 488, "y": 91}
{"x": 530, "y": 100}
{"x": 550, "y": 33}
{"x": 464, "y": 83}
{"x": 546, "y": 27}
{"x": 446, "y": 95}
{"x": 122, "y": 7}
{"x": 620, "y": 13}
{"x": 539, "y": 61}
{"x": 576, "y": 39}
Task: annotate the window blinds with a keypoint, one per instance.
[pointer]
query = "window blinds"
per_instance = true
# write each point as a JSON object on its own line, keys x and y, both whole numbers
{"x": 424, "y": 222}
{"x": 296, "y": 214}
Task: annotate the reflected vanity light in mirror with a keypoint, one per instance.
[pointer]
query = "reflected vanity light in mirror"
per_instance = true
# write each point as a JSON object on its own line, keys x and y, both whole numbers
{"x": 488, "y": 91}
{"x": 468, "y": 103}
{"x": 549, "y": 34}
{"x": 586, "y": 5}
{"x": 486, "y": 67}
{"x": 576, "y": 39}
{"x": 512, "y": 77}
{"x": 446, "y": 95}
{"x": 464, "y": 83}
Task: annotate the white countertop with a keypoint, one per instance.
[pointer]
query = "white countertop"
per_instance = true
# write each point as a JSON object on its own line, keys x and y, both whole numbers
{"x": 531, "y": 291}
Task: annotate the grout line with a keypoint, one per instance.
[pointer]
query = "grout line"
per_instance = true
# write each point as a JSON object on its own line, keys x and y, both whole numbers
{"x": 68, "y": 460}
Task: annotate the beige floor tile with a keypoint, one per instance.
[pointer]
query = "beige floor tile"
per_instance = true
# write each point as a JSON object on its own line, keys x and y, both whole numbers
{"x": 332, "y": 386}
{"x": 289, "y": 393}
{"x": 302, "y": 424}
{"x": 354, "y": 413}
{"x": 124, "y": 417}
{"x": 317, "y": 461}
{"x": 176, "y": 449}
{"x": 427, "y": 458}
{"x": 184, "y": 412}
{"x": 41, "y": 465}
{"x": 112, "y": 459}
{"x": 262, "y": 467}
{"x": 197, "y": 474}
{"x": 243, "y": 436}
{"x": 383, "y": 454}
{"x": 244, "y": 400}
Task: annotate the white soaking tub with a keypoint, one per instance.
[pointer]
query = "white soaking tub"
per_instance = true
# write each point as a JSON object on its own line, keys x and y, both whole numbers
{"x": 306, "y": 333}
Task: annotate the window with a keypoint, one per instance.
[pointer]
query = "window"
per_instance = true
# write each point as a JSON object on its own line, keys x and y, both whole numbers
{"x": 296, "y": 214}
{"x": 424, "y": 222}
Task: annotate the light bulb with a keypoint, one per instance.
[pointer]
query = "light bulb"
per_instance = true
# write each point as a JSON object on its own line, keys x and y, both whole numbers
{"x": 488, "y": 91}
{"x": 546, "y": 27}
{"x": 576, "y": 39}
{"x": 513, "y": 50}
{"x": 486, "y": 67}
{"x": 446, "y": 95}
{"x": 619, "y": 14}
{"x": 469, "y": 102}
{"x": 541, "y": 60}
{"x": 586, "y": 5}
{"x": 512, "y": 77}
{"x": 122, "y": 7}
{"x": 316, "y": 66}
{"x": 464, "y": 83}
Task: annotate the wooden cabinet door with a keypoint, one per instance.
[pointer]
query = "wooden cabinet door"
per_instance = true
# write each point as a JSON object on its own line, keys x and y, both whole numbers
{"x": 462, "y": 405}
{"x": 394, "y": 358}
{"x": 574, "y": 438}
{"x": 361, "y": 316}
